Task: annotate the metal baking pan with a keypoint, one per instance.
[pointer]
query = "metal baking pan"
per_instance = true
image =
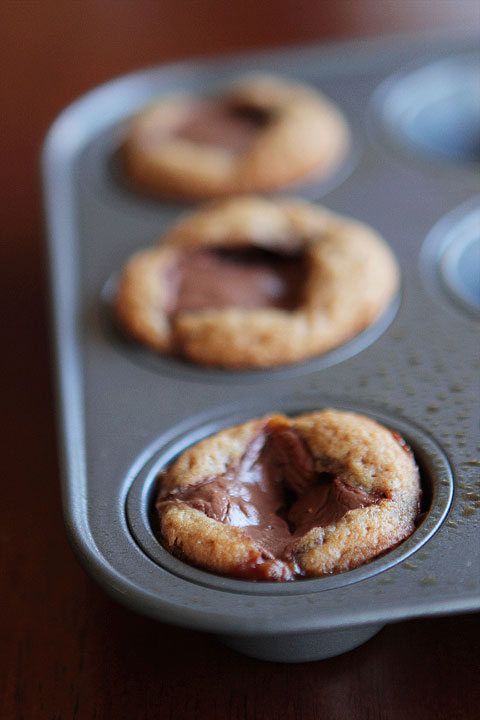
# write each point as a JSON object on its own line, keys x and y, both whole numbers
{"x": 125, "y": 412}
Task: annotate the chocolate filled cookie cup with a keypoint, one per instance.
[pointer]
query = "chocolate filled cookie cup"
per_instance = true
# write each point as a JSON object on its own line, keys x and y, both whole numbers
{"x": 253, "y": 283}
{"x": 279, "y": 499}
{"x": 261, "y": 133}
{"x": 155, "y": 479}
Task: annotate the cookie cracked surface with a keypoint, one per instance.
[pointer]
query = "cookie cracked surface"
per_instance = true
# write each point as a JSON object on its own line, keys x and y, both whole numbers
{"x": 251, "y": 283}
{"x": 261, "y": 133}
{"x": 279, "y": 498}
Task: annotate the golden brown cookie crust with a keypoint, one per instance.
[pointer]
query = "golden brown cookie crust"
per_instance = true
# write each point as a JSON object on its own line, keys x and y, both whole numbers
{"x": 307, "y": 135}
{"x": 352, "y": 277}
{"x": 368, "y": 456}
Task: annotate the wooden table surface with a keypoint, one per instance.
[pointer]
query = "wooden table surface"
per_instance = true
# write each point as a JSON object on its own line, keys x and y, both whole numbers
{"x": 67, "y": 650}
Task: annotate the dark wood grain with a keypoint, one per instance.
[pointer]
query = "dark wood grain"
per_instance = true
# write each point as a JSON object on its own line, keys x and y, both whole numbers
{"x": 67, "y": 650}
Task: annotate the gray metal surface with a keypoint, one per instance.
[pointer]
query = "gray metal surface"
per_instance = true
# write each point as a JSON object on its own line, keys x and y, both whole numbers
{"x": 124, "y": 411}
{"x": 301, "y": 647}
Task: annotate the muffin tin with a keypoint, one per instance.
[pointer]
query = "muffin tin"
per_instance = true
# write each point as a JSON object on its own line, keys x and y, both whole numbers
{"x": 125, "y": 412}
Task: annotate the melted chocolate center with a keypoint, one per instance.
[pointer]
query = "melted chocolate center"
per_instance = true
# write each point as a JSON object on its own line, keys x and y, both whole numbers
{"x": 219, "y": 124}
{"x": 275, "y": 494}
{"x": 241, "y": 277}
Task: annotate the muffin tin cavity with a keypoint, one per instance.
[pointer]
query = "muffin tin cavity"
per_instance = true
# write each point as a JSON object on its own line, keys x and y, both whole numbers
{"x": 435, "y": 109}
{"x": 109, "y": 185}
{"x": 178, "y": 368}
{"x": 436, "y": 479}
{"x": 450, "y": 258}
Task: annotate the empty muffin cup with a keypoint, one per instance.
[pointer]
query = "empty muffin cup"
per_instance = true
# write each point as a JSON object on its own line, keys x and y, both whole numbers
{"x": 435, "y": 109}
{"x": 450, "y": 258}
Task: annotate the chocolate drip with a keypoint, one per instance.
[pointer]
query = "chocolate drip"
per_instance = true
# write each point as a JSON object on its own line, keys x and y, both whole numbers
{"x": 403, "y": 443}
{"x": 326, "y": 502}
{"x": 220, "y": 124}
{"x": 245, "y": 277}
{"x": 274, "y": 493}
